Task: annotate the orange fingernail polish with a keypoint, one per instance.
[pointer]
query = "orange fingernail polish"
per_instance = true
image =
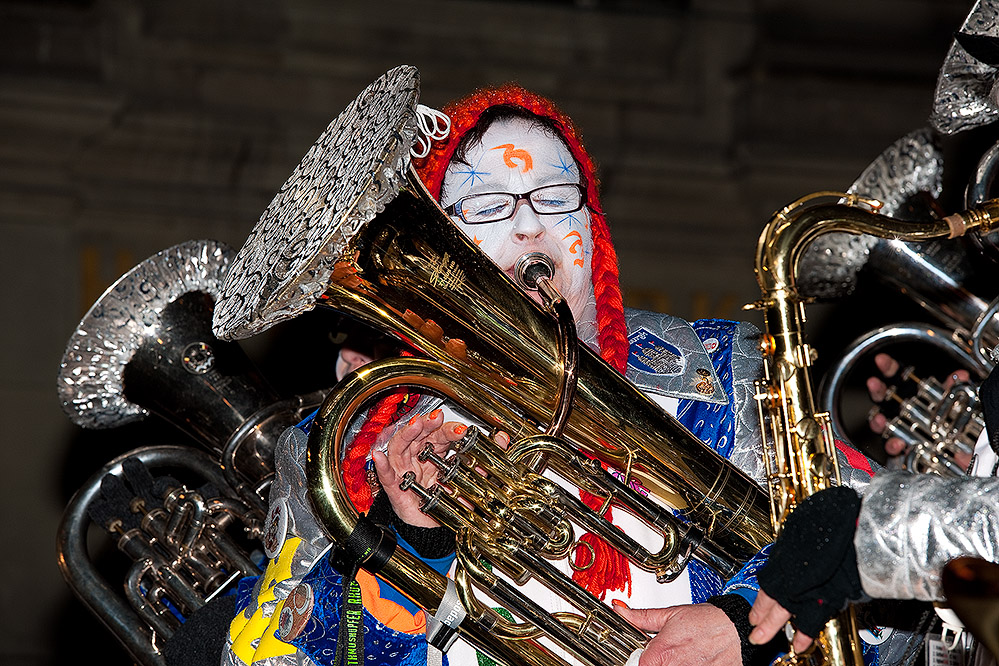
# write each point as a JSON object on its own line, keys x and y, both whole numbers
{"x": 434, "y": 414}
{"x": 460, "y": 429}
{"x": 618, "y": 602}
{"x": 412, "y": 421}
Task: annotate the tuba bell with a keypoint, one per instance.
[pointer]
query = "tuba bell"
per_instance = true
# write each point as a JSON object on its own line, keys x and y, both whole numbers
{"x": 188, "y": 519}
{"x": 355, "y": 230}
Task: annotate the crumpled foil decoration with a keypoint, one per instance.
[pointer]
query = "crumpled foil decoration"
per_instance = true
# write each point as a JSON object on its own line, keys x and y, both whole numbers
{"x": 90, "y": 381}
{"x": 353, "y": 170}
{"x": 965, "y": 96}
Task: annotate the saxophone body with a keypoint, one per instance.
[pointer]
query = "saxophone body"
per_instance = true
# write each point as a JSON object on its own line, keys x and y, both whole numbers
{"x": 801, "y": 453}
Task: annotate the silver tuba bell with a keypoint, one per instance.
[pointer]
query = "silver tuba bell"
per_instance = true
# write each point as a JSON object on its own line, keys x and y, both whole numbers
{"x": 188, "y": 519}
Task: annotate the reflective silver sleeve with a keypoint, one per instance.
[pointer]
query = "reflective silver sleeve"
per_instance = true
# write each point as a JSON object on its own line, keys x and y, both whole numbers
{"x": 911, "y": 525}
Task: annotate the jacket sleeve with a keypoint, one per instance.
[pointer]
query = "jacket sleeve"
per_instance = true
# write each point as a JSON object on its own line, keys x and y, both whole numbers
{"x": 911, "y": 525}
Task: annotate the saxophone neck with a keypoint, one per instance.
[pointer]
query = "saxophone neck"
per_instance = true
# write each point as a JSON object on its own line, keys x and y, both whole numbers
{"x": 795, "y": 226}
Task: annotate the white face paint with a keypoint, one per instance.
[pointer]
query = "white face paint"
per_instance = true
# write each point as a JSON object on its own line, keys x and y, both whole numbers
{"x": 518, "y": 156}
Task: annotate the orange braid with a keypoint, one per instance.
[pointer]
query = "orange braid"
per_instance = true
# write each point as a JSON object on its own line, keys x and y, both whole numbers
{"x": 606, "y": 569}
{"x": 613, "y": 335}
{"x": 610, "y": 571}
{"x": 384, "y": 413}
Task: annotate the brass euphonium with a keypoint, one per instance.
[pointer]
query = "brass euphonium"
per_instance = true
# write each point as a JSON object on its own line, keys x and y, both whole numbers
{"x": 803, "y": 456}
{"x": 368, "y": 240}
{"x": 187, "y": 519}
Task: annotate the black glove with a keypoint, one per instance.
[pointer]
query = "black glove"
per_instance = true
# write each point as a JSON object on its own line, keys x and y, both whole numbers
{"x": 812, "y": 569}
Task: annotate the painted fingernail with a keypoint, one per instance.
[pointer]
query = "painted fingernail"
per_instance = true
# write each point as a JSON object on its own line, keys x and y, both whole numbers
{"x": 412, "y": 421}
{"x": 460, "y": 429}
{"x": 618, "y": 602}
{"x": 434, "y": 414}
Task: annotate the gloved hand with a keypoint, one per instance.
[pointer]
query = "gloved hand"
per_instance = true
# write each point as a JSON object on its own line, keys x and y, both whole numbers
{"x": 812, "y": 569}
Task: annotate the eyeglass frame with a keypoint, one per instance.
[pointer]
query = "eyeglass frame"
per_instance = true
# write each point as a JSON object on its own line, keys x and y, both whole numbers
{"x": 517, "y": 198}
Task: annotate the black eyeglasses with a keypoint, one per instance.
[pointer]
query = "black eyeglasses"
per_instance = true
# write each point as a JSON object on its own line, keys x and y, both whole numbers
{"x": 497, "y": 206}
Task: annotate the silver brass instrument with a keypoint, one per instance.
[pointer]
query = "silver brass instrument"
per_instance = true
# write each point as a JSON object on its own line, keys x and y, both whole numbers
{"x": 146, "y": 346}
{"x": 184, "y": 549}
{"x": 803, "y": 456}
{"x": 369, "y": 241}
{"x": 936, "y": 425}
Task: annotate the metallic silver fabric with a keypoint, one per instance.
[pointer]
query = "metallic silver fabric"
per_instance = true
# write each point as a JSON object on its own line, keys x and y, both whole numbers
{"x": 911, "y": 165}
{"x": 747, "y": 367}
{"x": 910, "y": 525}
{"x": 90, "y": 376}
{"x": 289, "y": 486}
{"x": 965, "y": 95}
{"x": 829, "y": 266}
{"x": 682, "y": 370}
{"x": 348, "y": 176}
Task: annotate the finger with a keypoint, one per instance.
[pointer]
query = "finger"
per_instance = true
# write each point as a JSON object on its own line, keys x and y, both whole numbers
{"x": 956, "y": 377}
{"x": 877, "y": 389}
{"x": 769, "y": 623}
{"x": 962, "y": 459}
{"x": 894, "y": 446}
{"x": 647, "y": 619}
{"x": 762, "y": 607}
{"x": 801, "y": 642}
{"x": 423, "y": 427}
{"x": 400, "y": 442}
{"x": 878, "y": 423}
{"x": 449, "y": 432}
{"x": 386, "y": 475}
{"x": 886, "y": 364}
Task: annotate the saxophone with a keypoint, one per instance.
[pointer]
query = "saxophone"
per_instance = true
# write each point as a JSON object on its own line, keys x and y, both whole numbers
{"x": 799, "y": 449}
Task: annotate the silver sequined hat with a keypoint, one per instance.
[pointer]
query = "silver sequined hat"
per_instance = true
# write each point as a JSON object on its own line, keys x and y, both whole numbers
{"x": 966, "y": 87}
{"x": 830, "y": 266}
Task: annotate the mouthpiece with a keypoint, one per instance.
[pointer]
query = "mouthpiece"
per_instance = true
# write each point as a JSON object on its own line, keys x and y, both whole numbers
{"x": 531, "y": 268}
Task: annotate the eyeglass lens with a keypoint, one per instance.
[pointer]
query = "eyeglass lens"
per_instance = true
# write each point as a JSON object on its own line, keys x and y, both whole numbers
{"x": 496, "y": 206}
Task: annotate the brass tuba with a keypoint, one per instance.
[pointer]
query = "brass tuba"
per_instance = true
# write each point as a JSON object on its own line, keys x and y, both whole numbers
{"x": 358, "y": 232}
{"x": 187, "y": 519}
{"x": 803, "y": 451}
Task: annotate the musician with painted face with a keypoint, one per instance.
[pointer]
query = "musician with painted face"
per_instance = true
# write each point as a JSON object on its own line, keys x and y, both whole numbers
{"x": 515, "y": 178}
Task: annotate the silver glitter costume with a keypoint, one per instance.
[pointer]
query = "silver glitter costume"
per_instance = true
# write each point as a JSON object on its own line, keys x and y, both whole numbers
{"x": 902, "y": 546}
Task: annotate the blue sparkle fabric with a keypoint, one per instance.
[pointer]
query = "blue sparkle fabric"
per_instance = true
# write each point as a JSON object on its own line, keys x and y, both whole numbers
{"x": 712, "y": 423}
{"x": 704, "y": 583}
{"x": 382, "y": 645}
{"x": 305, "y": 425}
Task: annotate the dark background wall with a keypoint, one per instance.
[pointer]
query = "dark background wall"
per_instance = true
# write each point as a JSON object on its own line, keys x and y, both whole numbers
{"x": 127, "y": 127}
